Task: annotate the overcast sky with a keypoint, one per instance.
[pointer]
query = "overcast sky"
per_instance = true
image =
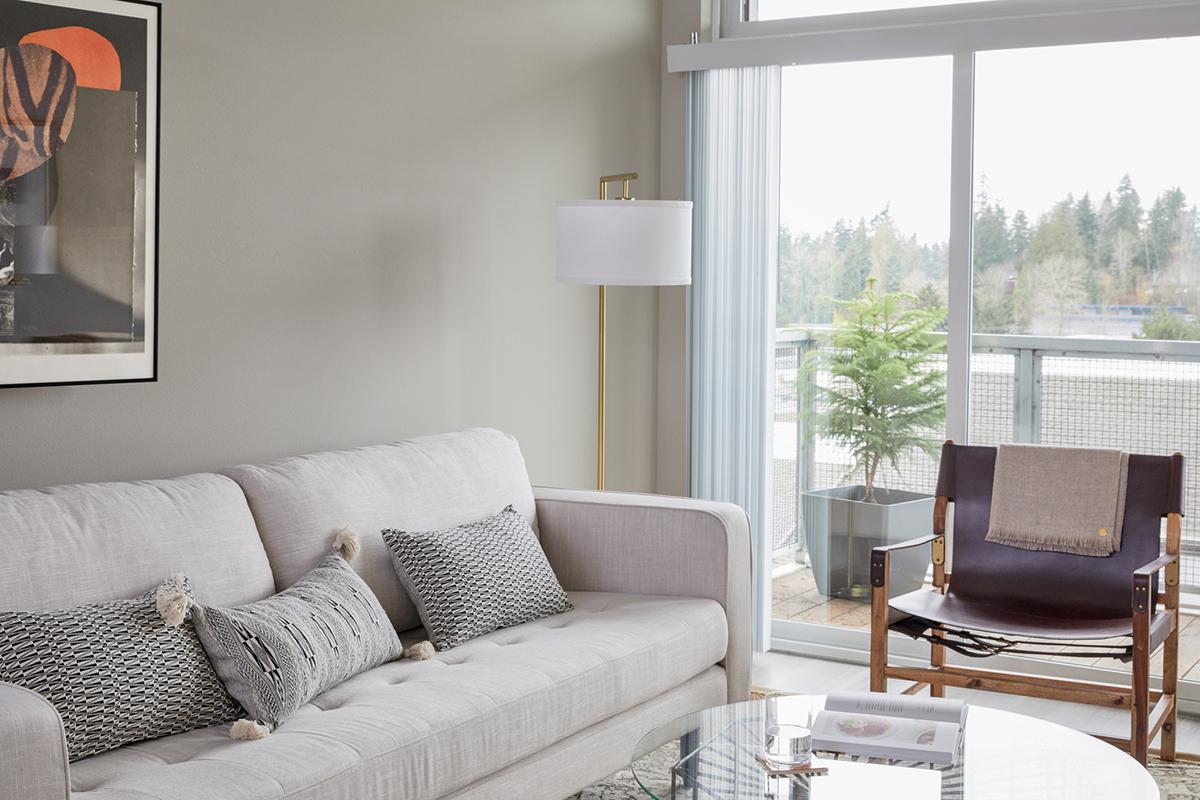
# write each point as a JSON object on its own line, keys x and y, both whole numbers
{"x": 1048, "y": 122}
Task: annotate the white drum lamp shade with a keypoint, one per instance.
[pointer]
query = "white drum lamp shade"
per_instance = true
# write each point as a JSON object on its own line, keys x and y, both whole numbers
{"x": 625, "y": 242}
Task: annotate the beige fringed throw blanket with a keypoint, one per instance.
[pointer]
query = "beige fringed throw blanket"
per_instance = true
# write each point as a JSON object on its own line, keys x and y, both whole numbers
{"x": 1069, "y": 500}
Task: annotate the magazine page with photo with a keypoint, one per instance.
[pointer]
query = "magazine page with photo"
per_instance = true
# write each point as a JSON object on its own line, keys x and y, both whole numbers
{"x": 891, "y": 726}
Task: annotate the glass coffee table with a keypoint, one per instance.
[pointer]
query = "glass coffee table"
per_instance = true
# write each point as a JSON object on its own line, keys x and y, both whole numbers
{"x": 1004, "y": 756}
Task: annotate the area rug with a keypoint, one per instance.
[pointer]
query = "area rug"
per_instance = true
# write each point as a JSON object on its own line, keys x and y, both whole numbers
{"x": 623, "y": 786}
{"x": 1178, "y": 781}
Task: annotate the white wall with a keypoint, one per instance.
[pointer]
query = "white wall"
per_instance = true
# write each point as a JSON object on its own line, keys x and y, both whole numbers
{"x": 358, "y": 245}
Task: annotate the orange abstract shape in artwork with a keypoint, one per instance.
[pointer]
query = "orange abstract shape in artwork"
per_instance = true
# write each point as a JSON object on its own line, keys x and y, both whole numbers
{"x": 37, "y": 107}
{"x": 96, "y": 63}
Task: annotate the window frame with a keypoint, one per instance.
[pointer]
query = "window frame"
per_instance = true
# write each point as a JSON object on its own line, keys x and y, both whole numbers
{"x": 960, "y": 31}
{"x": 932, "y": 31}
{"x": 738, "y": 18}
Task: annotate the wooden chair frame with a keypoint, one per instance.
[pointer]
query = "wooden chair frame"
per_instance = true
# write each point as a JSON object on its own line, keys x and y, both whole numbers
{"x": 1145, "y": 721}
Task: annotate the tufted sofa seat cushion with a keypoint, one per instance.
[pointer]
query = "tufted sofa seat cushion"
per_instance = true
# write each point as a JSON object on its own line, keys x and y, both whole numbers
{"x": 419, "y": 730}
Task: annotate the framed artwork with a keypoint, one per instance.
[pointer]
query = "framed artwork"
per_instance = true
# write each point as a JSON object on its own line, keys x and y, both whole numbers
{"x": 79, "y": 96}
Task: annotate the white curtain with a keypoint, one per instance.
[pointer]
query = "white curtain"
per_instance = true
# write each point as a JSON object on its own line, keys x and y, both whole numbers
{"x": 734, "y": 183}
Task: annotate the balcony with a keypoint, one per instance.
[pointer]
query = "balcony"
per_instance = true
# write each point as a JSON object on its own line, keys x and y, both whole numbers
{"x": 1140, "y": 396}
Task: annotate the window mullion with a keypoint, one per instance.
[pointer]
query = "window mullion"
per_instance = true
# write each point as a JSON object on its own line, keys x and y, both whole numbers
{"x": 962, "y": 178}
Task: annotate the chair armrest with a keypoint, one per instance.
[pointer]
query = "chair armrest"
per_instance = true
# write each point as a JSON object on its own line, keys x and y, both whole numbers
{"x": 650, "y": 544}
{"x": 1143, "y": 602}
{"x": 880, "y": 554}
{"x": 917, "y": 542}
{"x": 33, "y": 749}
{"x": 1144, "y": 573}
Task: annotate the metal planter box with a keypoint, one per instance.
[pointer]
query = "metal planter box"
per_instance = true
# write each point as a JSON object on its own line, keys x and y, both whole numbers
{"x": 841, "y": 530}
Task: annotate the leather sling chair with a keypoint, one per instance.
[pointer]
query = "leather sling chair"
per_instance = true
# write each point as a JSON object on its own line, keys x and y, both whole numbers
{"x": 1007, "y": 600}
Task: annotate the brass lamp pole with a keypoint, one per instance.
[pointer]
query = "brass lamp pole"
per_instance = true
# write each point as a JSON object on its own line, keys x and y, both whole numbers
{"x": 625, "y": 178}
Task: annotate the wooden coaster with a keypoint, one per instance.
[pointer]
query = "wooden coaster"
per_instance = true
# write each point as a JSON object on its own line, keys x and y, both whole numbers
{"x": 776, "y": 769}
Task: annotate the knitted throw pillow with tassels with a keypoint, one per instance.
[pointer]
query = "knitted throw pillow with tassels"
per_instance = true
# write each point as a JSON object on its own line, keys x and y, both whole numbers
{"x": 277, "y": 654}
{"x": 114, "y": 671}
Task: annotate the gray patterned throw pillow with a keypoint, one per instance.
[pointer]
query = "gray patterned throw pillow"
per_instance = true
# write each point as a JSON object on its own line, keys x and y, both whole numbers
{"x": 114, "y": 671}
{"x": 277, "y": 654}
{"x": 475, "y": 578}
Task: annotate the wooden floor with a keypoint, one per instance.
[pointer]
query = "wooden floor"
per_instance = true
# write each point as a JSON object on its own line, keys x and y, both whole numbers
{"x": 795, "y": 597}
{"x": 797, "y": 674}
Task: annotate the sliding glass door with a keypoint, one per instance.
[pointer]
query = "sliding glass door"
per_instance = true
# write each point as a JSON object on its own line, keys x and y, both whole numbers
{"x": 1028, "y": 219}
{"x": 1086, "y": 268}
{"x": 864, "y": 215}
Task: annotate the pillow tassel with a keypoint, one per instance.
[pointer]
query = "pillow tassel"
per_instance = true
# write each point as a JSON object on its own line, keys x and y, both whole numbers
{"x": 346, "y": 544}
{"x": 248, "y": 730}
{"x": 421, "y": 651}
{"x": 173, "y": 601}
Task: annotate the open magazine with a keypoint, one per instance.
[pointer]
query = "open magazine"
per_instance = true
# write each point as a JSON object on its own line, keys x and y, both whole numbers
{"x": 891, "y": 726}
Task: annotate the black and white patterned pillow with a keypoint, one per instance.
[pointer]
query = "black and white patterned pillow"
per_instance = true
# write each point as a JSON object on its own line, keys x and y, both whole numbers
{"x": 116, "y": 673}
{"x": 277, "y": 654}
{"x": 475, "y": 578}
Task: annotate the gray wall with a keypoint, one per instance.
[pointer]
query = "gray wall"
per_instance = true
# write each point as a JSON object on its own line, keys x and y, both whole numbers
{"x": 358, "y": 245}
{"x": 679, "y": 19}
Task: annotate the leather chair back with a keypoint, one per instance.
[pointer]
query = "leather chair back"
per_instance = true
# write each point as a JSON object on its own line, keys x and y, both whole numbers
{"x": 1049, "y": 583}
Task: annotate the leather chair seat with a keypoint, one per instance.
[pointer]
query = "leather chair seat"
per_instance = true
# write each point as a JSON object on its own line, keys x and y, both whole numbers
{"x": 956, "y": 612}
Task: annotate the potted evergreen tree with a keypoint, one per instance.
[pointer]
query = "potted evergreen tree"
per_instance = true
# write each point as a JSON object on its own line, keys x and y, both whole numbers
{"x": 882, "y": 400}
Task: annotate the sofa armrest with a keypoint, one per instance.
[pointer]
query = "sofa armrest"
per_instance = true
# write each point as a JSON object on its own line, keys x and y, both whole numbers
{"x": 650, "y": 544}
{"x": 33, "y": 750}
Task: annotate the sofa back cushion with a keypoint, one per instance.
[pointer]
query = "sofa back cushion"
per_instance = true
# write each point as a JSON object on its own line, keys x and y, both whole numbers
{"x": 74, "y": 545}
{"x": 427, "y": 483}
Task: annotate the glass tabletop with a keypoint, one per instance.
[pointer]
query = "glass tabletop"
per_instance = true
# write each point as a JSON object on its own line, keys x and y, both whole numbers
{"x": 711, "y": 755}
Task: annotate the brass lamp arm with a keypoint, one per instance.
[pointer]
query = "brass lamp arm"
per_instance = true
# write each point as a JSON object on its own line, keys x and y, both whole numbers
{"x": 625, "y": 178}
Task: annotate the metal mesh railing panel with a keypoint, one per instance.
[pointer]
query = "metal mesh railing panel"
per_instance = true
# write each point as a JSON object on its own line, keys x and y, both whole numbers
{"x": 1138, "y": 405}
{"x": 788, "y": 361}
{"x": 992, "y": 397}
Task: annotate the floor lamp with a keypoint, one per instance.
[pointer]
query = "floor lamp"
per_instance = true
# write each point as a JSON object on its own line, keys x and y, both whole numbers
{"x": 622, "y": 242}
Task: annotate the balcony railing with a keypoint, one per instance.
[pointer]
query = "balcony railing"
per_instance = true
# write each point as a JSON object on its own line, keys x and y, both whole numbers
{"x": 1139, "y": 396}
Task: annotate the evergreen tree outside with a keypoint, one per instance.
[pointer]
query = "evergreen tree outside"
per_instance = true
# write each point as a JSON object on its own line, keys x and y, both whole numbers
{"x": 1089, "y": 227}
{"x": 856, "y": 263}
{"x": 1128, "y": 212}
{"x": 1164, "y": 324}
{"x": 1168, "y": 217}
{"x": 993, "y": 239}
{"x": 1022, "y": 234}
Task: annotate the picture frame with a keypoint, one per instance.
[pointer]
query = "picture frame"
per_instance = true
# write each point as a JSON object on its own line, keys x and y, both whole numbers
{"x": 79, "y": 191}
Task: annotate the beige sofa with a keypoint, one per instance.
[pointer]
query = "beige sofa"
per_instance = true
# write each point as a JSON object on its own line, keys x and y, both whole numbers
{"x": 661, "y": 626}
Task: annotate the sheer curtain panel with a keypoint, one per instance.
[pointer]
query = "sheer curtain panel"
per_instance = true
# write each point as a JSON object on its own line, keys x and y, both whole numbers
{"x": 734, "y": 183}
